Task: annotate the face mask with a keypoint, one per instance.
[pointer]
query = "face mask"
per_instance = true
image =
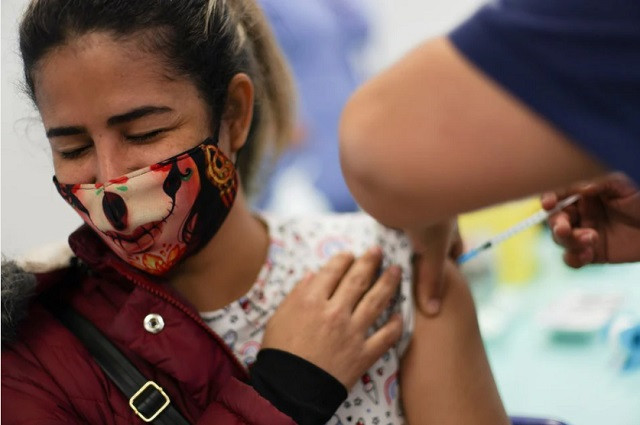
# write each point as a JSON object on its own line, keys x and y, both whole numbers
{"x": 155, "y": 216}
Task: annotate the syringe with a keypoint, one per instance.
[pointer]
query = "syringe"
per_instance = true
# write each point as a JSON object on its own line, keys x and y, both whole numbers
{"x": 536, "y": 218}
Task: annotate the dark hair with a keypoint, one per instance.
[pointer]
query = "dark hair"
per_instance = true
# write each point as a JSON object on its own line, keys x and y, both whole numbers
{"x": 208, "y": 41}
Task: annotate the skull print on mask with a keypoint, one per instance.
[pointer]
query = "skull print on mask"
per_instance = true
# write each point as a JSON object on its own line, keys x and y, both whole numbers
{"x": 155, "y": 216}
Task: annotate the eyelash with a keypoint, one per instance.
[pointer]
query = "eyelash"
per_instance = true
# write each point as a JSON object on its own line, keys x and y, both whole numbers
{"x": 141, "y": 138}
{"x": 135, "y": 138}
{"x": 74, "y": 153}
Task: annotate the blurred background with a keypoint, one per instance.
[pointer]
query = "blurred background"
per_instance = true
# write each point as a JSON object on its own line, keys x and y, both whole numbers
{"x": 562, "y": 343}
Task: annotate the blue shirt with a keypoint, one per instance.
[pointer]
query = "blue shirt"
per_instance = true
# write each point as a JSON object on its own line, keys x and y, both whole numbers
{"x": 574, "y": 62}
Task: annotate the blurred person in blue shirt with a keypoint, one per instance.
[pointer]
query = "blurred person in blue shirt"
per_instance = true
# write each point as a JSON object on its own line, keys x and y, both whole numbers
{"x": 319, "y": 39}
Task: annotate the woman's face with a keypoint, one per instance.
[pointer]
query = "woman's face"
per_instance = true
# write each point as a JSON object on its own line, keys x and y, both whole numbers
{"x": 110, "y": 109}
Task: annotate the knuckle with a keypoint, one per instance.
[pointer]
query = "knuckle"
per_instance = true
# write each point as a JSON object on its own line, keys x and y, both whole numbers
{"x": 359, "y": 281}
{"x": 374, "y": 305}
{"x": 335, "y": 316}
{"x": 308, "y": 302}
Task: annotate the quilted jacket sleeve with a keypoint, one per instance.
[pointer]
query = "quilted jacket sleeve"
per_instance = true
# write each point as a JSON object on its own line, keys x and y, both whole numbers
{"x": 52, "y": 380}
{"x": 31, "y": 396}
{"x": 30, "y": 403}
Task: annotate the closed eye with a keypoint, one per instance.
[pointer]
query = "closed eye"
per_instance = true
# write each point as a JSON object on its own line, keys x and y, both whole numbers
{"x": 145, "y": 137}
{"x": 74, "y": 153}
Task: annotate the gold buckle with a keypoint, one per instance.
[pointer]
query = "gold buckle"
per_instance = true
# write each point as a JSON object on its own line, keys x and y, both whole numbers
{"x": 140, "y": 391}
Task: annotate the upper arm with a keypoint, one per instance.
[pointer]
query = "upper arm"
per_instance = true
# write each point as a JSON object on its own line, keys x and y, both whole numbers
{"x": 432, "y": 137}
{"x": 49, "y": 378}
{"x": 445, "y": 374}
{"x": 30, "y": 396}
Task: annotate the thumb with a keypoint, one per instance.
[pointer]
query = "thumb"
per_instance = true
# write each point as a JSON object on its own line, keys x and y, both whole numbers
{"x": 429, "y": 272}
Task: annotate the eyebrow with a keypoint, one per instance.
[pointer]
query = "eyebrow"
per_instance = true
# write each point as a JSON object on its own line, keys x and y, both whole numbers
{"x": 137, "y": 113}
{"x": 65, "y": 131}
{"x": 114, "y": 120}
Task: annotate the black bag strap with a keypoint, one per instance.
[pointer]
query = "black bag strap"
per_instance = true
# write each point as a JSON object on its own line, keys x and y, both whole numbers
{"x": 146, "y": 398}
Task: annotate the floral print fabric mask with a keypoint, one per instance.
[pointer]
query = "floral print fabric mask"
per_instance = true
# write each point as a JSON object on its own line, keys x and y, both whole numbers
{"x": 155, "y": 216}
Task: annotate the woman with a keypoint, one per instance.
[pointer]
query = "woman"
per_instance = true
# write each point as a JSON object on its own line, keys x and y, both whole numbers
{"x": 156, "y": 112}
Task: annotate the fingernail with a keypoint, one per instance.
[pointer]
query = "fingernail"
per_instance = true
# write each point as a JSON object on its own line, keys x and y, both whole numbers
{"x": 585, "y": 257}
{"x": 433, "y": 307}
{"x": 395, "y": 271}
{"x": 376, "y": 250}
{"x": 588, "y": 238}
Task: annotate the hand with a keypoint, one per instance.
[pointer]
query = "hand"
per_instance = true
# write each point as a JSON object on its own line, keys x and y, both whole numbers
{"x": 603, "y": 226}
{"x": 326, "y": 317}
{"x": 432, "y": 247}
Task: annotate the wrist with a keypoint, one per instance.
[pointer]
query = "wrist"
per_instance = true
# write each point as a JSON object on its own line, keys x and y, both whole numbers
{"x": 297, "y": 387}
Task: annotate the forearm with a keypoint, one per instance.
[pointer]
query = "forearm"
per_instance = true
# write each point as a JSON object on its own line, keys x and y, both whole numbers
{"x": 445, "y": 374}
{"x": 432, "y": 137}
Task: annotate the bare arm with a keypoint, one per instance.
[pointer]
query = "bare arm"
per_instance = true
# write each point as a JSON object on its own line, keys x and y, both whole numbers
{"x": 432, "y": 137}
{"x": 445, "y": 375}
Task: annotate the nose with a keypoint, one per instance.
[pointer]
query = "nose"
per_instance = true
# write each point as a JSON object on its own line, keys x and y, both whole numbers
{"x": 115, "y": 209}
{"x": 110, "y": 165}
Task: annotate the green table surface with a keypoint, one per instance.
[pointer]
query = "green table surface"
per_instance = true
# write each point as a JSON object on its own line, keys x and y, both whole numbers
{"x": 577, "y": 380}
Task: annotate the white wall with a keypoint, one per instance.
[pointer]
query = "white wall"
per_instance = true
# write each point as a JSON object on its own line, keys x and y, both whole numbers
{"x": 32, "y": 212}
{"x": 401, "y": 24}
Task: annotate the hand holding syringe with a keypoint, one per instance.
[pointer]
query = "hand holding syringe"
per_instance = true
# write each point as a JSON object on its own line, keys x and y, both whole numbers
{"x": 536, "y": 218}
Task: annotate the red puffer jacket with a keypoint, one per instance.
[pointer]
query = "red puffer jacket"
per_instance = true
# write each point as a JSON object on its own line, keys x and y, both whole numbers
{"x": 48, "y": 377}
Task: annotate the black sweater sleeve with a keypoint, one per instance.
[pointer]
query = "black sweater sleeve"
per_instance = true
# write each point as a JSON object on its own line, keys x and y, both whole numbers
{"x": 306, "y": 393}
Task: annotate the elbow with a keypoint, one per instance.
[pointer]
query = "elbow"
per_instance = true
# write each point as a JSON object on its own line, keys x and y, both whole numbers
{"x": 356, "y": 142}
{"x": 359, "y": 156}
{"x": 364, "y": 154}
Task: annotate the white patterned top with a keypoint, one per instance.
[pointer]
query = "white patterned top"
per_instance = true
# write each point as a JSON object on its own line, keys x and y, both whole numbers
{"x": 302, "y": 244}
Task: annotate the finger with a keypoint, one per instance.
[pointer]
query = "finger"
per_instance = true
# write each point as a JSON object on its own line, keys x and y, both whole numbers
{"x": 377, "y": 299}
{"x": 587, "y": 256}
{"x": 305, "y": 284}
{"x": 578, "y": 258}
{"x": 614, "y": 185}
{"x": 429, "y": 272}
{"x": 383, "y": 339}
{"x": 618, "y": 185}
{"x": 561, "y": 229}
{"x": 574, "y": 239}
{"x": 358, "y": 279}
{"x": 328, "y": 277}
{"x": 457, "y": 245}
{"x": 548, "y": 200}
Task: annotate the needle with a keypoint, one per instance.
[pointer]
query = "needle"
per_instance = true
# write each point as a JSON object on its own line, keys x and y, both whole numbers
{"x": 536, "y": 218}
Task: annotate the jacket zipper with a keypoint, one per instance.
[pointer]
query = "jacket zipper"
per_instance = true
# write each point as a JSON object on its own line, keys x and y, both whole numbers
{"x": 189, "y": 312}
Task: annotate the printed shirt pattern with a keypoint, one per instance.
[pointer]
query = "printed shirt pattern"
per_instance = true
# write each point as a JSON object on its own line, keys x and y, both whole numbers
{"x": 302, "y": 244}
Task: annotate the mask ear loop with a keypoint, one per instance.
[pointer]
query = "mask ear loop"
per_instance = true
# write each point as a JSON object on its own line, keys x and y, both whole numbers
{"x": 215, "y": 141}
